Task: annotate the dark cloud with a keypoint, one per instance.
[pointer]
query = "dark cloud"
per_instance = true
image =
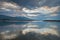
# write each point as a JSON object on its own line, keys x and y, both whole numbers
{"x": 52, "y": 3}
{"x": 26, "y": 3}
{"x": 35, "y": 3}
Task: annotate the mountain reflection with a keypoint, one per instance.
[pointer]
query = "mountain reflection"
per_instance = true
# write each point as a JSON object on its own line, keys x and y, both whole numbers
{"x": 9, "y": 23}
{"x": 11, "y": 26}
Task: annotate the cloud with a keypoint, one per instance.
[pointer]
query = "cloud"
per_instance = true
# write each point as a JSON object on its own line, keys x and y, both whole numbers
{"x": 5, "y": 9}
{"x": 44, "y": 10}
{"x": 54, "y": 14}
{"x": 10, "y": 9}
{"x": 9, "y": 5}
{"x": 51, "y": 15}
{"x": 16, "y": 9}
{"x": 32, "y": 15}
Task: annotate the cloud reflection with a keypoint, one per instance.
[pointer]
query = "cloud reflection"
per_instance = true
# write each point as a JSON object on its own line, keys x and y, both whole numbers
{"x": 44, "y": 31}
{"x": 37, "y": 33}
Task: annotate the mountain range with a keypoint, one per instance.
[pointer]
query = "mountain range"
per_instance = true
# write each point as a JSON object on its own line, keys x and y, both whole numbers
{"x": 19, "y": 18}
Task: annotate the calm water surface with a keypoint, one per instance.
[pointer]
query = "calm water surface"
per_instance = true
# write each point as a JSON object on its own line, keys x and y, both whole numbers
{"x": 17, "y": 26}
{"x": 22, "y": 25}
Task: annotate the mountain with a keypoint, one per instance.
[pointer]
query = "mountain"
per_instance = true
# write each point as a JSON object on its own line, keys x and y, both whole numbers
{"x": 20, "y": 18}
{"x": 52, "y": 20}
{"x": 3, "y": 17}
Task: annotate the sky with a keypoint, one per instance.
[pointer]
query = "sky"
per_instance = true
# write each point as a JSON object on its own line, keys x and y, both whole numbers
{"x": 33, "y": 9}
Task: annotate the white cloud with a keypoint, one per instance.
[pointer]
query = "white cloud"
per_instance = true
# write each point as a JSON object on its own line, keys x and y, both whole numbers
{"x": 44, "y": 10}
{"x": 53, "y": 14}
{"x": 32, "y": 15}
{"x": 15, "y": 10}
{"x": 10, "y": 9}
{"x": 9, "y": 5}
{"x": 5, "y": 9}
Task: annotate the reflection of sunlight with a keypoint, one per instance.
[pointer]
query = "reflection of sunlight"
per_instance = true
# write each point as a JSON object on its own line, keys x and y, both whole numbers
{"x": 44, "y": 31}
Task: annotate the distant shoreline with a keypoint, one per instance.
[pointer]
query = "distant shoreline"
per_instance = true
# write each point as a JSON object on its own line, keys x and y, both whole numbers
{"x": 29, "y": 20}
{"x": 52, "y": 20}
